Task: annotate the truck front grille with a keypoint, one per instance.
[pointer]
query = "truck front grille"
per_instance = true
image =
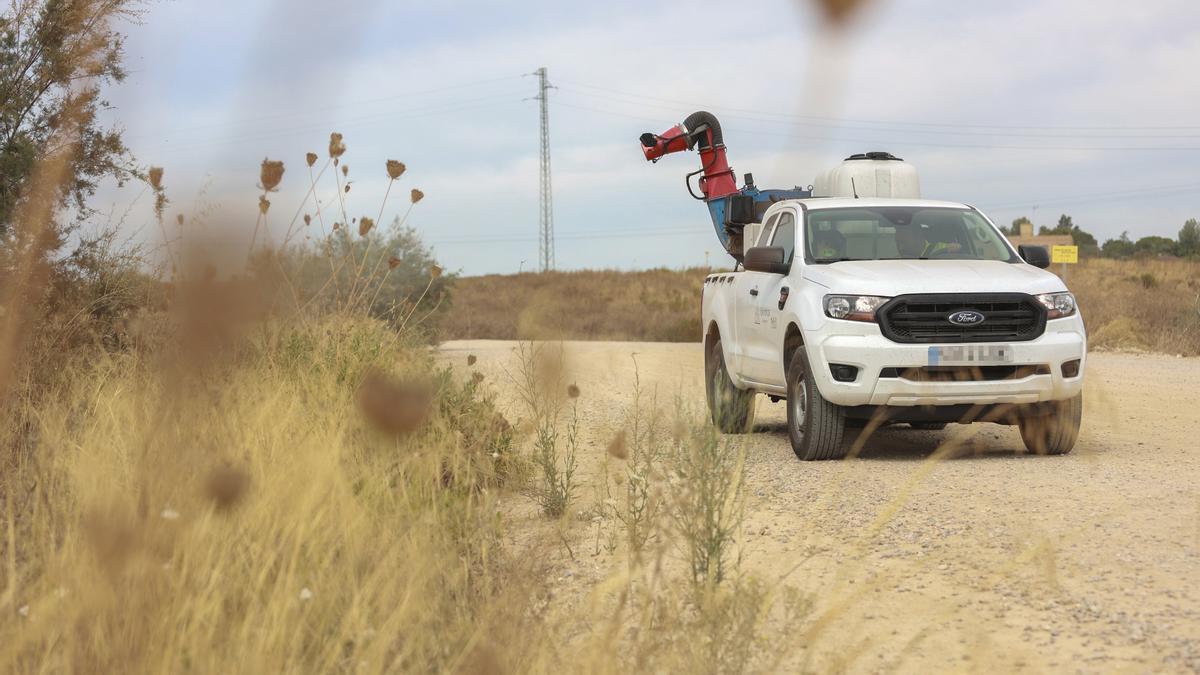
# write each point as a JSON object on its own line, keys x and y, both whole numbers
{"x": 1007, "y": 317}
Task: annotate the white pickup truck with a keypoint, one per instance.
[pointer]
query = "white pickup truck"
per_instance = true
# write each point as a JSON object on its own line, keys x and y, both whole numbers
{"x": 883, "y": 310}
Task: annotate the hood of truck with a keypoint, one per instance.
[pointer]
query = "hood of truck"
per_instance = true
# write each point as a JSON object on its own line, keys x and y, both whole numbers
{"x": 890, "y": 278}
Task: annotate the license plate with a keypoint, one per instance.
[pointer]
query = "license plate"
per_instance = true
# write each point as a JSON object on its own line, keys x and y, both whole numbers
{"x": 968, "y": 355}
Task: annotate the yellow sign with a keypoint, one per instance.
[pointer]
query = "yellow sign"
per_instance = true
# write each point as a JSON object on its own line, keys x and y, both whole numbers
{"x": 1064, "y": 254}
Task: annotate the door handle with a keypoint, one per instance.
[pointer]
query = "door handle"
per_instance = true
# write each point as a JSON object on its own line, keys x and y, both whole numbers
{"x": 754, "y": 291}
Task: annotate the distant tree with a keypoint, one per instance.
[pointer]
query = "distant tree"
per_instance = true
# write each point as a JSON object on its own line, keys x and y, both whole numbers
{"x": 55, "y": 55}
{"x": 1015, "y": 229}
{"x": 1189, "y": 238}
{"x": 1154, "y": 245}
{"x": 1084, "y": 240}
{"x": 1122, "y": 247}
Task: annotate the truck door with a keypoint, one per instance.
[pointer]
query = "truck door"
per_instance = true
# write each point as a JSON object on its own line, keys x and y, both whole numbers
{"x": 745, "y": 290}
{"x": 763, "y": 337}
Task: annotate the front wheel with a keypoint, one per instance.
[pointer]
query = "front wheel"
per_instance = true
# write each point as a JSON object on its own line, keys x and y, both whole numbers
{"x": 815, "y": 426}
{"x": 732, "y": 409}
{"x": 1056, "y": 433}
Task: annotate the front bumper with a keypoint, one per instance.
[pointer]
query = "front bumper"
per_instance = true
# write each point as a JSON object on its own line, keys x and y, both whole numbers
{"x": 862, "y": 345}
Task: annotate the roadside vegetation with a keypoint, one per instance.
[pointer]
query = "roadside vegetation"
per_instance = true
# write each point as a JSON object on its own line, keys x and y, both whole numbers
{"x": 223, "y": 460}
{"x": 1148, "y": 303}
{"x": 658, "y": 305}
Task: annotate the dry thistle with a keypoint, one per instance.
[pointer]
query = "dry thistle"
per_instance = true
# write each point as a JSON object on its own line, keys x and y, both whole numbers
{"x": 179, "y": 219}
{"x": 347, "y": 187}
{"x": 155, "y": 176}
{"x": 477, "y": 377}
{"x": 263, "y": 204}
{"x": 393, "y": 262}
{"x": 345, "y": 169}
{"x": 471, "y": 359}
{"x": 435, "y": 271}
{"x": 839, "y": 11}
{"x": 336, "y": 225}
{"x": 416, "y": 195}
{"x": 573, "y": 390}
{"x": 365, "y": 225}
{"x": 393, "y": 407}
{"x": 336, "y": 147}
{"x": 311, "y": 158}
{"x": 270, "y": 175}
{"x": 225, "y": 486}
{"x": 617, "y": 447}
{"x": 395, "y": 169}
{"x": 307, "y": 220}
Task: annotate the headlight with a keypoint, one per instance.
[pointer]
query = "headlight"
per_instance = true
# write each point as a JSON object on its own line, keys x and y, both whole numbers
{"x": 853, "y": 307}
{"x": 1057, "y": 305}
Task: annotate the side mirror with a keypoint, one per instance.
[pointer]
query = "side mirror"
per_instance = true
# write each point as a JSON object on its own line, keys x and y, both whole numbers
{"x": 1037, "y": 256}
{"x": 767, "y": 259}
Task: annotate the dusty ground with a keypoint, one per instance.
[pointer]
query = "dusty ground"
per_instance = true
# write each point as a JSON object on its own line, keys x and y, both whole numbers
{"x": 991, "y": 561}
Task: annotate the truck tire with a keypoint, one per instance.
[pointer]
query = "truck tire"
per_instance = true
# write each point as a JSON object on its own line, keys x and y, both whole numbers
{"x": 732, "y": 409}
{"x": 1056, "y": 433}
{"x": 815, "y": 426}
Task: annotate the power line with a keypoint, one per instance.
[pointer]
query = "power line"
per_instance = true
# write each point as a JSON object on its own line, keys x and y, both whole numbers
{"x": 1115, "y": 195}
{"x": 785, "y": 118}
{"x": 642, "y": 97}
{"x": 377, "y": 118}
{"x": 335, "y": 106}
{"x": 889, "y": 141}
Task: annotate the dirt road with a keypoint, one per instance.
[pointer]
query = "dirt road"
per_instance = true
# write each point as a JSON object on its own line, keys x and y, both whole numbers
{"x": 990, "y": 561}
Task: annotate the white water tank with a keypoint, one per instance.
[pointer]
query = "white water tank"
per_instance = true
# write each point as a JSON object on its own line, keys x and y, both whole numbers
{"x": 871, "y": 174}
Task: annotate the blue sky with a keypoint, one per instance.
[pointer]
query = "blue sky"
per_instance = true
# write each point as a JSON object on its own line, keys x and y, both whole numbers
{"x": 1057, "y": 104}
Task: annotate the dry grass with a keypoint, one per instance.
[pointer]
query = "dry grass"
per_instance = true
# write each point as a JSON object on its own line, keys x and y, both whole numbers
{"x": 1147, "y": 304}
{"x": 1142, "y": 304}
{"x": 653, "y": 305}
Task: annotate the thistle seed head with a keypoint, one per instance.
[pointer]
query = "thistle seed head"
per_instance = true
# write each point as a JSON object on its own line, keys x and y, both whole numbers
{"x": 336, "y": 147}
{"x": 155, "y": 176}
{"x": 270, "y": 175}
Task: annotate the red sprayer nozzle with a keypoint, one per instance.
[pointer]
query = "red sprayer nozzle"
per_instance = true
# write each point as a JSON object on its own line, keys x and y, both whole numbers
{"x": 671, "y": 140}
{"x": 701, "y": 131}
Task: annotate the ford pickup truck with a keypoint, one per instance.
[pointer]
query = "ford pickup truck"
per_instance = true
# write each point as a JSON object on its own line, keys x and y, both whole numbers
{"x": 870, "y": 311}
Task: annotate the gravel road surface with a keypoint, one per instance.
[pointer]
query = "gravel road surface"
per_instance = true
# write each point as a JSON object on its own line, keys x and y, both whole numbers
{"x": 989, "y": 561}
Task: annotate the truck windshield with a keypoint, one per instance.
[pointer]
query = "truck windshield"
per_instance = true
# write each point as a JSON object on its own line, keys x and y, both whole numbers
{"x": 901, "y": 233}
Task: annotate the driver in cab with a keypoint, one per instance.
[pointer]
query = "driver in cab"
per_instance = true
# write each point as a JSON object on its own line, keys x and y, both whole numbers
{"x": 917, "y": 241}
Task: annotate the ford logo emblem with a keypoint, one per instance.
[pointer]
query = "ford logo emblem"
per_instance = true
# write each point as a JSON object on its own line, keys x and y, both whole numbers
{"x": 966, "y": 317}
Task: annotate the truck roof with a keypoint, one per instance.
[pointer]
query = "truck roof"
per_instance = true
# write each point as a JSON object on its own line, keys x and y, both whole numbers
{"x": 870, "y": 202}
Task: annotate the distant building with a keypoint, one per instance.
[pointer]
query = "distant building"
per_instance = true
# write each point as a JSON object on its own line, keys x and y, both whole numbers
{"x": 1027, "y": 237}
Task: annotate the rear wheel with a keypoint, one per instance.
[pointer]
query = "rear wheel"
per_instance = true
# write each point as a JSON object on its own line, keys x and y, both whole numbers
{"x": 1056, "y": 433}
{"x": 815, "y": 426}
{"x": 732, "y": 409}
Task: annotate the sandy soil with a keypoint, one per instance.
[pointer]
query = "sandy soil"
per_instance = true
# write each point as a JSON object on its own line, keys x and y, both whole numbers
{"x": 990, "y": 561}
